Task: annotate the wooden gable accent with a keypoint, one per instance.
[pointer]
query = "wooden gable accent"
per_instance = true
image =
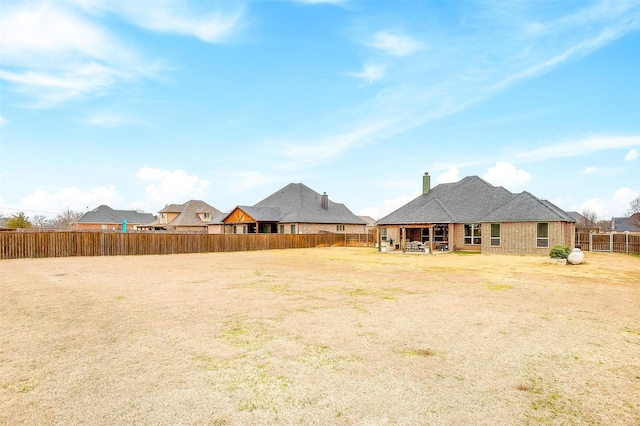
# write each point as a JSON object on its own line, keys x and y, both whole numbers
{"x": 239, "y": 216}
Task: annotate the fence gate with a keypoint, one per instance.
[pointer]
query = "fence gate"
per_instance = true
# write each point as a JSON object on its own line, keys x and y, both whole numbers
{"x": 601, "y": 242}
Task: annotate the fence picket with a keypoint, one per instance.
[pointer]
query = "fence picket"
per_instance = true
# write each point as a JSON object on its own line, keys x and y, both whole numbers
{"x": 36, "y": 244}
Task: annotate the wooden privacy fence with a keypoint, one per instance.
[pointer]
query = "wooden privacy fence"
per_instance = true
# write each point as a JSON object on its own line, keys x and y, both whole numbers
{"x": 18, "y": 245}
{"x": 618, "y": 242}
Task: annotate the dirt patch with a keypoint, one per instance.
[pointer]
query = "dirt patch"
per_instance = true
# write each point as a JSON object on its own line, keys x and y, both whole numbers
{"x": 320, "y": 336}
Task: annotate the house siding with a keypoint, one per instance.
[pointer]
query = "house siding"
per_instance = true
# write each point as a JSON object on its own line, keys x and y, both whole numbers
{"x": 521, "y": 237}
{"x": 317, "y": 228}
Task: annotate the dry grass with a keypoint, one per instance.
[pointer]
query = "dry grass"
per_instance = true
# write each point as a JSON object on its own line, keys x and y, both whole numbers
{"x": 320, "y": 336}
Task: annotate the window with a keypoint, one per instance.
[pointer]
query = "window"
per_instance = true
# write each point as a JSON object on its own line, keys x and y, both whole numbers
{"x": 104, "y": 227}
{"x": 542, "y": 238}
{"x": 293, "y": 229}
{"x": 383, "y": 234}
{"x": 244, "y": 229}
{"x": 339, "y": 228}
{"x": 495, "y": 234}
{"x": 282, "y": 229}
{"x": 235, "y": 229}
{"x": 473, "y": 234}
{"x": 207, "y": 216}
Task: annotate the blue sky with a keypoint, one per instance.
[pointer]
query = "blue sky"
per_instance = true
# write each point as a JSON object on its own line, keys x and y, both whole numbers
{"x": 144, "y": 103}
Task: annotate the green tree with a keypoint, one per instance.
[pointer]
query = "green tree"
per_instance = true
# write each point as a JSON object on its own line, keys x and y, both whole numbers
{"x": 18, "y": 220}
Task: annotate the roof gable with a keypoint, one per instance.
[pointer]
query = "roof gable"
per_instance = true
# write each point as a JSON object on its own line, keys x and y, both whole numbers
{"x": 189, "y": 214}
{"x": 524, "y": 207}
{"x": 106, "y": 215}
{"x": 300, "y": 204}
{"x": 473, "y": 200}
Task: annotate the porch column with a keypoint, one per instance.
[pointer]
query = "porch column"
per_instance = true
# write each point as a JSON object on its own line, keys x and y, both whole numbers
{"x": 431, "y": 239}
{"x": 403, "y": 239}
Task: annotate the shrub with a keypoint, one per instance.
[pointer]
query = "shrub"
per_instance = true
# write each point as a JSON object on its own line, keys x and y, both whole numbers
{"x": 559, "y": 252}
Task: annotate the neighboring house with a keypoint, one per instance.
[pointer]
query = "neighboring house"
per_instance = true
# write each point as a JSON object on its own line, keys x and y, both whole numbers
{"x": 626, "y": 224}
{"x": 105, "y": 218}
{"x": 371, "y": 223}
{"x": 192, "y": 216}
{"x": 474, "y": 215}
{"x": 294, "y": 209}
{"x": 582, "y": 226}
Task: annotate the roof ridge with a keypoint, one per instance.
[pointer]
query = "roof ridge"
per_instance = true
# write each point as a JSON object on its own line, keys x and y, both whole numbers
{"x": 446, "y": 210}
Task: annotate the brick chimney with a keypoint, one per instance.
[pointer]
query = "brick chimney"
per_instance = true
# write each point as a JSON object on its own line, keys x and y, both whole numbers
{"x": 325, "y": 201}
{"x": 426, "y": 183}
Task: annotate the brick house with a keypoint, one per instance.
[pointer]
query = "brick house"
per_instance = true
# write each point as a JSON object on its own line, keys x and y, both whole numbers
{"x": 294, "y": 209}
{"x": 473, "y": 215}
{"x": 105, "y": 218}
{"x": 192, "y": 216}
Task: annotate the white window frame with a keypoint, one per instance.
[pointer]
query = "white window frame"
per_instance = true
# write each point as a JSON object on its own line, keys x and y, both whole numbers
{"x": 496, "y": 240}
{"x": 542, "y": 241}
{"x": 475, "y": 234}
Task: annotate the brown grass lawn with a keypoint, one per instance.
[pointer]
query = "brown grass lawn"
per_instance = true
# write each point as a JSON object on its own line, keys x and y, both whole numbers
{"x": 344, "y": 336}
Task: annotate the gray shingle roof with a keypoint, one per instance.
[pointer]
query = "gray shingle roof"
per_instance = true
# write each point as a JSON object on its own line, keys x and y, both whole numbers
{"x": 622, "y": 224}
{"x": 297, "y": 203}
{"x": 189, "y": 213}
{"x": 106, "y": 215}
{"x": 473, "y": 200}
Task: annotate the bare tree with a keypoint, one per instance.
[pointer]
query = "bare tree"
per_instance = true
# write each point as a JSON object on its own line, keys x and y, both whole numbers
{"x": 67, "y": 219}
{"x": 590, "y": 220}
{"x": 634, "y": 212}
{"x": 39, "y": 221}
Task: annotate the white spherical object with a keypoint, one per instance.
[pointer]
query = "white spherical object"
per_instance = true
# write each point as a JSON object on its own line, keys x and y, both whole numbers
{"x": 575, "y": 257}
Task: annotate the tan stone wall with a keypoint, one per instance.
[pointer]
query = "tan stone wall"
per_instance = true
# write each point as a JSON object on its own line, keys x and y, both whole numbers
{"x": 97, "y": 226}
{"x": 516, "y": 238}
{"x": 521, "y": 237}
{"x": 317, "y": 228}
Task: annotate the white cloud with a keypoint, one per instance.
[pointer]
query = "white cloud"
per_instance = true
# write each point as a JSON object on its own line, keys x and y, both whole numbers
{"x": 371, "y": 73}
{"x": 3, "y": 120}
{"x": 589, "y": 170}
{"x": 167, "y": 186}
{"x": 54, "y": 52}
{"x": 507, "y": 175}
{"x": 395, "y": 44}
{"x": 179, "y": 18}
{"x": 451, "y": 175}
{"x": 578, "y": 147}
{"x": 71, "y": 197}
{"x": 631, "y": 155}
{"x": 616, "y": 206}
{"x": 387, "y": 206}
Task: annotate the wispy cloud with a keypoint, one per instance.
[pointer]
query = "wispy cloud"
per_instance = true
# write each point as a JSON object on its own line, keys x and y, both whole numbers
{"x": 113, "y": 119}
{"x": 371, "y": 73}
{"x": 573, "y": 148}
{"x": 53, "y": 52}
{"x": 300, "y": 155}
{"x": 395, "y": 44}
{"x": 3, "y": 120}
{"x": 180, "y": 18}
{"x": 322, "y": 1}
{"x": 456, "y": 72}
